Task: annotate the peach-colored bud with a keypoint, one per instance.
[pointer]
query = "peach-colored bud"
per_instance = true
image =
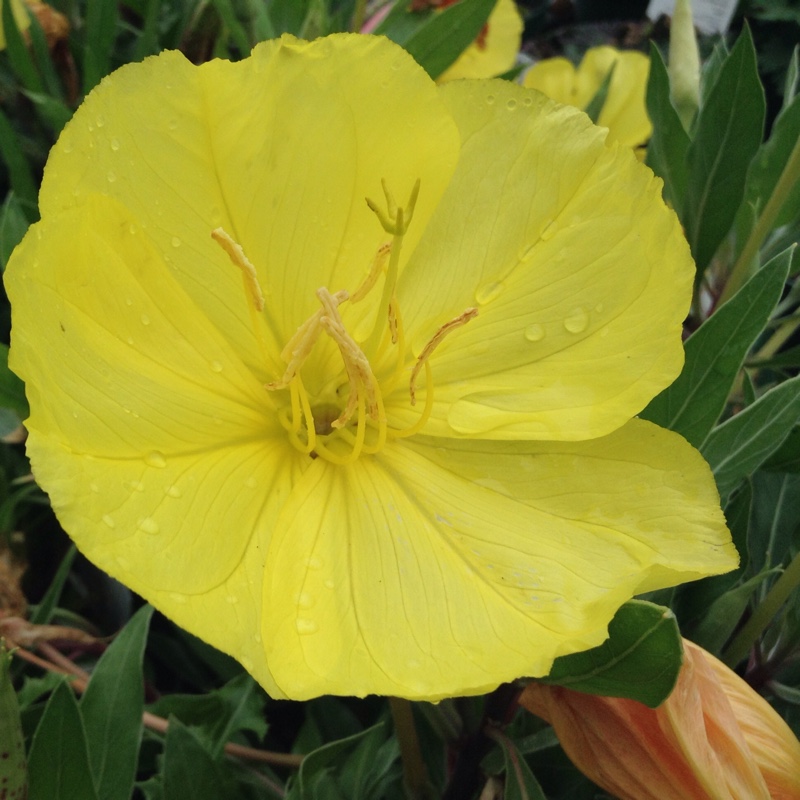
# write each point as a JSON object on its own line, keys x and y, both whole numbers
{"x": 714, "y": 738}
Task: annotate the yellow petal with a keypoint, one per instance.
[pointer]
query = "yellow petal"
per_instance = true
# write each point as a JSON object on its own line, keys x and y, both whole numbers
{"x": 446, "y": 568}
{"x": 283, "y": 163}
{"x": 554, "y": 77}
{"x": 496, "y": 50}
{"x": 580, "y": 273}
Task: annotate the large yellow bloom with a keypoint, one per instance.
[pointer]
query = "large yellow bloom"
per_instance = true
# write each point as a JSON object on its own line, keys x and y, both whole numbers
{"x": 624, "y": 112}
{"x": 364, "y": 448}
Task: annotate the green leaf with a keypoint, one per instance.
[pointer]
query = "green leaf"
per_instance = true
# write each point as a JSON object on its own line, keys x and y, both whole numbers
{"x": 519, "y": 781}
{"x": 13, "y": 772}
{"x": 18, "y": 54}
{"x": 722, "y": 617}
{"x": 712, "y": 68}
{"x": 58, "y": 764}
{"x": 792, "y": 76}
{"x": 19, "y": 170}
{"x": 640, "y": 659}
{"x": 437, "y": 38}
{"x": 727, "y": 135}
{"x": 112, "y": 708}
{"x": 189, "y": 770}
{"x": 669, "y": 142}
{"x": 98, "y": 38}
{"x": 288, "y": 16}
{"x": 235, "y": 28}
{"x": 714, "y": 355}
{"x": 13, "y": 225}
{"x": 787, "y": 457}
{"x": 44, "y": 611}
{"x": 595, "y": 106}
{"x": 776, "y": 510}
{"x": 741, "y": 444}
{"x": 12, "y": 389}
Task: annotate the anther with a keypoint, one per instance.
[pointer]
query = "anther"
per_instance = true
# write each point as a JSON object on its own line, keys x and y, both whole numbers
{"x": 239, "y": 259}
{"x": 458, "y": 322}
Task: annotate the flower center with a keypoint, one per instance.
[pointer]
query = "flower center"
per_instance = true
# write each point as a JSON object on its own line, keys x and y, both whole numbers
{"x": 355, "y": 421}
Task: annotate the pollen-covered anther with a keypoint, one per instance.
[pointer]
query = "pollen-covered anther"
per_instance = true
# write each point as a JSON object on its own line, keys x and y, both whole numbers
{"x": 377, "y": 267}
{"x": 457, "y": 322}
{"x": 239, "y": 259}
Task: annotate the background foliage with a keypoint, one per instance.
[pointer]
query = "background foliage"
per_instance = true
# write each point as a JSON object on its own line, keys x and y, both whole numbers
{"x": 203, "y": 728}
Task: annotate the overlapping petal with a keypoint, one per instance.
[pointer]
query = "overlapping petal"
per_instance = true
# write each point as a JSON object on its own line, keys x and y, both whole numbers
{"x": 443, "y": 567}
{"x": 580, "y": 274}
{"x": 624, "y": 111}
{"x": 497, "y": 47}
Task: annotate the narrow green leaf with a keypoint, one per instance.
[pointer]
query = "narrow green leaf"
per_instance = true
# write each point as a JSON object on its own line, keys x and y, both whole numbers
{"x": 12, "y": 389}
{"x": 18, "y": 54}
{"x": 43, "y": 612}
{"x": 13, "y": 771}
{"x": 787, "y": 457}
{"x": 99, "y": 34}
{"x": 112, "y": 707}
{"x": 715, "y": 352}
{"x": 712, "y": 68}
{"x": 792, "y": 77}
{"x": 520, "y": 783}
{"x": 51, "y": 82}
{"x": 437, "y": 38}
{"x": 58, "y": 765}
{"x": 741, "y": 444}
{"x": 20, "y": 175}
{"x": 595, "y": 106}
{"x": 189, "y": 770}
{"x": 722, "y": 617}
{"x": 773, "y": 524}
{"x": 727, "y": 135}
{"x": 288, "y": 16}
{"x": 147, "y": 43}
{"x": 640, "y": 659}
{"x": 669, "y": 142}
{"x": 13, "y": 225}
{"x": 235, "y": 28}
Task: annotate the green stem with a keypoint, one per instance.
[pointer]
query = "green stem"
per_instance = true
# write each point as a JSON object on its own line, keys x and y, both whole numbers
{"x": 415, "y": 772}
{"x": 765, "y": 223}
{"x": 763, "y": 614}
{"x": 359, "y": 14}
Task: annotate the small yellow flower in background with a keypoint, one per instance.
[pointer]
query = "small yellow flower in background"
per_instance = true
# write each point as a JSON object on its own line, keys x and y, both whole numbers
{"x": 495, "y": 50}
{"x": 20, "y": 17}
{"x": 714, "y": 738}
{"x": 336, "y": 367}
{"x": 624, "y": 112}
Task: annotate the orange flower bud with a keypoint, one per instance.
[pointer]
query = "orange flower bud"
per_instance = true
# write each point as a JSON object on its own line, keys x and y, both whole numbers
{"x": 714, "y": 738}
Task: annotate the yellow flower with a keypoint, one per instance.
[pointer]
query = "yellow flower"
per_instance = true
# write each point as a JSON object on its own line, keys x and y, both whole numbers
{"x": 20, "y": 17}
{"x": 624, "y": 112}
{"x": 495, "y": 50}
{"x": 364, "y": 447}
{"x": 714, "y": 738}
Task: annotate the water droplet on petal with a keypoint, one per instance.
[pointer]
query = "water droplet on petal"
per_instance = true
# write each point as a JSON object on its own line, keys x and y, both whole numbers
{"x": 145, "y": 319}
{"x": 412, "y": 663}
{"x": 599, "y": 307}
{"x": 177, "y": 598}
{"x": 111, "y": 176}
{"x": 93, "y": 487}
{"x": 216, "y": 366}
{"x": 67, "y": 145}
{"x": 306, "y": 626}
{"x": 115, "y": 144}
{"x": 149, "y": 525}
{"x": 101, "y": 120}
{"x": 246, "y": 662}
{"x": 109, "y": 520}
{"x": 490, "y": 99}
{"x": 535, "y": 332}
{"x": 176, "y": 242}
{"x": 305, "y": 600}
{"x": 329, "y": 584}
{"x": 155, "y": 459}
{"x": 527, "y": 101}
{"x": 577, "y": 321}
{"x": 315, "y": 563}
{"x": 511, "y": 104}
{"x": 491, "y": 291}
{"x": 251, "y": 483}
{"x": 232, "y": 599}
{"x": 174, "y": 491}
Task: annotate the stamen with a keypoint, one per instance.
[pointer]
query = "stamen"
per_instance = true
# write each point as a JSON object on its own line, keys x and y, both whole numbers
{"x": 239, "y": 259}
{"x": 376, "y": 268}
{"x": 457, "y": 322}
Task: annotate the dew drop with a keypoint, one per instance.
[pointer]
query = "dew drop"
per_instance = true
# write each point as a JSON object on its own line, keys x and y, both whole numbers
{"x": 305, "y": 600}
{"x": 412, "y": 663}
{"x": 527, "y": 101}
{"x": 149, "y": 525}
{"x": 155, "y": 459}
{"x": 216, "y": 366}
{"x": 67, "y": 146}
{"x": 122, "y": 562}
{"x": 177, "y": 598}
{"x": 329, "y": 584}
{"x": 132, "y": 229}
{"x": 93, "y": 487}
{"x": 109, "y": 520}
{"x": 246, "y": 662}
{"x": 251, "y": 483}
{"x": 257, "y": 638}
{"x": 315, "y": 563}
{"x": 128, "y": 301}
{"x": 173, "y": 123}
{"x": 490, "y": 291}
{"x": 145, "y": 319}
{"x": 129, "y": 340}
{"x": 599, "y": 307}
{"x": 490, "y": 99}
{"x": 100, "y": 120}
{"x": 176, "y": 242}
{"x": 232, "y": 599}
{"x": 577, "y": 321}
{"x": 535, "y": 332}
{"x": 111, "y": 176}
{"x": 306, "y": 626}
{"x": 511, "y": 104}
{"x": 174, "y": 491}
{"x": 115, "y": 144}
